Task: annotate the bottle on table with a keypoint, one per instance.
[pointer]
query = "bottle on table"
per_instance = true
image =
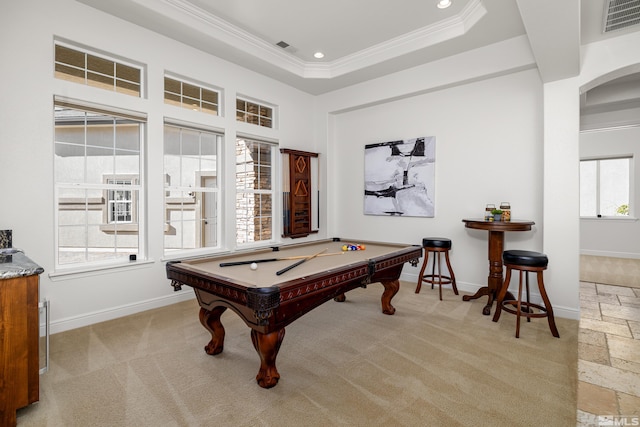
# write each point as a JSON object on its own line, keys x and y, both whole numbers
{"x": 505, "y": 207}
{"x": 488, "y": 215}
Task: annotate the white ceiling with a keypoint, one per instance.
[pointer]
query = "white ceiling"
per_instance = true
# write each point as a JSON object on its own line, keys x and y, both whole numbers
{"x": 365, "y": 39}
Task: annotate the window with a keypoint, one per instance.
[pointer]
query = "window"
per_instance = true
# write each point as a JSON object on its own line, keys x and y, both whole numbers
{"x": 192, "y": 188}
{"x": 254, "y": 191}
{"x": 120, "y": 202}
{"x": 93, "y": 70}
{"x": 98, "y": 189}
{"x": 190, "y": 96}
{"x": 254, "y": 113}
{"x": 604, "y": 187}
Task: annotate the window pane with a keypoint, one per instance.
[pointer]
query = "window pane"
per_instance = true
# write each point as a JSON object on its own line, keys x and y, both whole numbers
{"x": 72, "y": 244}
{"x": 614, "y": 186}
{"x": 130, "y": 74}
{"x": 100, "y": 133}
{"x": 74, "y": 65}
{"x": 254, "y": 113}
{"x": 254, "y": 207}
{"x": 101, "y": 153}
{"x": 70, "y": 56}
{"x": 209, "y": 108}
{"x": 191, "y": 103}
{"x": 190, "y": 166}
{"x": 98, "y": 80}
{"x": 588, "y": 188}
{"x": 190, "y": 96}
{"x": 266, "y": 123}
{"x": 68, "y": 73}
{"x": 210, "y": 96}
{"x": 127, "y": 88}
{"x": 171, "y": 85}
{"x": 172, "y": 99}
{"x": 100, "y": 65}
{"x": 191, "y": 91}
{"x": 190, "y": 158}
{"x": 265, "y": 111}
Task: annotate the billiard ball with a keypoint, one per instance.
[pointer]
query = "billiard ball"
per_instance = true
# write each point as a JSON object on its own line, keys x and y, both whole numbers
{"x": 254, "y": 266}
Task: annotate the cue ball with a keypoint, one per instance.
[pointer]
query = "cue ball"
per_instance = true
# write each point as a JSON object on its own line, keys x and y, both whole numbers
{"x": 254, "y": 266}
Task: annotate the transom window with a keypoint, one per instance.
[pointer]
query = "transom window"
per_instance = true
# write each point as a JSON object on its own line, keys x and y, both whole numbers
{"x": 190, "y": 96}
{"x": 93, "y": 70}
{"x": 604, "y": 187}
{"x": 254, "y": 113}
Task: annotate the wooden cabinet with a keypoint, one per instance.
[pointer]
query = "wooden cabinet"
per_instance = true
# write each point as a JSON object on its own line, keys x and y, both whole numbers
{"x": 19, "y": 337}
{"x": 297, "y": 195}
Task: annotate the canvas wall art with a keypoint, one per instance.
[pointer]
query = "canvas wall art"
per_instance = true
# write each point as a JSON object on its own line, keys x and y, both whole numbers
{"x": 399, "y": 177}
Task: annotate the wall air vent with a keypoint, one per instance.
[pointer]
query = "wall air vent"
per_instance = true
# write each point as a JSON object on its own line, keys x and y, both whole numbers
{"x": 619, "y": 14}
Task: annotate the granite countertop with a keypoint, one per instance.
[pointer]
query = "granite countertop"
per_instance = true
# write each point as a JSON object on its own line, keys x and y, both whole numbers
{"x": 14, "y": 263}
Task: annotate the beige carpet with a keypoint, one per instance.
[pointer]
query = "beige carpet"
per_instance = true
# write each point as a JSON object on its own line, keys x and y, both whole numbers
{"x": 433, "y": 363}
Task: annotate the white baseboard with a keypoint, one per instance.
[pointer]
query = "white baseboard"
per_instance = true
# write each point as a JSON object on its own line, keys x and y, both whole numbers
{"x": 559, "y": 311}
{"x": 75, "y": 322}
{"x": 610, "y": 254}
{"x": 115, "y": 312}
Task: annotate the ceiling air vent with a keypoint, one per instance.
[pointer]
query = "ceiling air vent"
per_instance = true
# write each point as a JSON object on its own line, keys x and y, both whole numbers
{"x": 620, "y": 14}
{"x": 285, "y": 45}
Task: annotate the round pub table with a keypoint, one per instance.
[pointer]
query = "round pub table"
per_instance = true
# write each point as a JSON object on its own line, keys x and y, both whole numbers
{"x": 496, "y": 231}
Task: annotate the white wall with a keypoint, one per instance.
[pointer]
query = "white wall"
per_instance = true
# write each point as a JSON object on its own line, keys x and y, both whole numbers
{"x": 27, "y": 31}
{"x": 479, "y": 160}
{"x": 485, "y": 109}
{"x": 612, "y": 237}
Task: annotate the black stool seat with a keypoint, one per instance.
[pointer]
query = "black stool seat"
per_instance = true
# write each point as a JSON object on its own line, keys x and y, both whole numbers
{"x": 436, "y": 242}
{"x": 436, "y": 246}
{"x": 525, "y": 262}
{"x": 528, "y": 258}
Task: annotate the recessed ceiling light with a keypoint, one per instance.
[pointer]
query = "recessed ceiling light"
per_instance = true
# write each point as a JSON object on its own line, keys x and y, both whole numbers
{"x": 318, "y": 55}
{"x": 443, "y": 4}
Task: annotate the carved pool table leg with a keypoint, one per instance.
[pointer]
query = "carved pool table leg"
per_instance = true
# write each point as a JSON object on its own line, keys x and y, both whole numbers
{"x": 210, "y": 319}
{"x": 340, "y": 298}
{"x": 267, "y": 346}
{"x": 391, "y": 288}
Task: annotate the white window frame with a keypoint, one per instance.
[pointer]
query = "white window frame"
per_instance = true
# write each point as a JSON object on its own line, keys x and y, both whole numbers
{"x": 100, "y": 203}
{"x": 245, "y": 116}
{"x": 598, "y": 160}
{"x": 191, "y": 103}
{"x": 272, "y": 192}
{"x": 115, "y": 87}
{"x": 194, "y": 197}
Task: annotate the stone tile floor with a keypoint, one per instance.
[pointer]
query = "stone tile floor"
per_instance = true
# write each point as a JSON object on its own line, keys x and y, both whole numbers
{"x": 608, "y": 355}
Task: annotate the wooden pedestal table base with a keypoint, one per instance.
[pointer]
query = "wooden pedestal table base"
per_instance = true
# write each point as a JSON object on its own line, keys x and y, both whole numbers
{"x": 496, "y": 231}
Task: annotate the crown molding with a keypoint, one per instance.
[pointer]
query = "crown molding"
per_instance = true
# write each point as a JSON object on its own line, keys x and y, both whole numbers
{"x": 185, "y": 13}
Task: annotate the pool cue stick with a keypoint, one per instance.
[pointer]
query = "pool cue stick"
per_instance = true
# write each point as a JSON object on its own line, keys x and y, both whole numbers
{"x": 284, "y": 270}
{"x": 229, "y": 264}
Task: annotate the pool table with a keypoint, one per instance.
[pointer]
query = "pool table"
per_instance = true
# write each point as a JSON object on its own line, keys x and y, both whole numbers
{"x": 267, "y": 302}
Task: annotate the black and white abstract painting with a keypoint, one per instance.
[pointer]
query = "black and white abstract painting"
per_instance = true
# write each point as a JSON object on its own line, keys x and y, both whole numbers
{"x": 399, "y": 177}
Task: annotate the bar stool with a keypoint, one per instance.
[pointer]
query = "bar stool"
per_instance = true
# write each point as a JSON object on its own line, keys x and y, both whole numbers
{"x": 524, "y": 262}
{"x": 437, "y": 246}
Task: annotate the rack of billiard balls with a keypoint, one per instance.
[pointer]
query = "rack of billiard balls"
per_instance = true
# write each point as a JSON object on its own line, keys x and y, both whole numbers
{"x": 350, "y": 247}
